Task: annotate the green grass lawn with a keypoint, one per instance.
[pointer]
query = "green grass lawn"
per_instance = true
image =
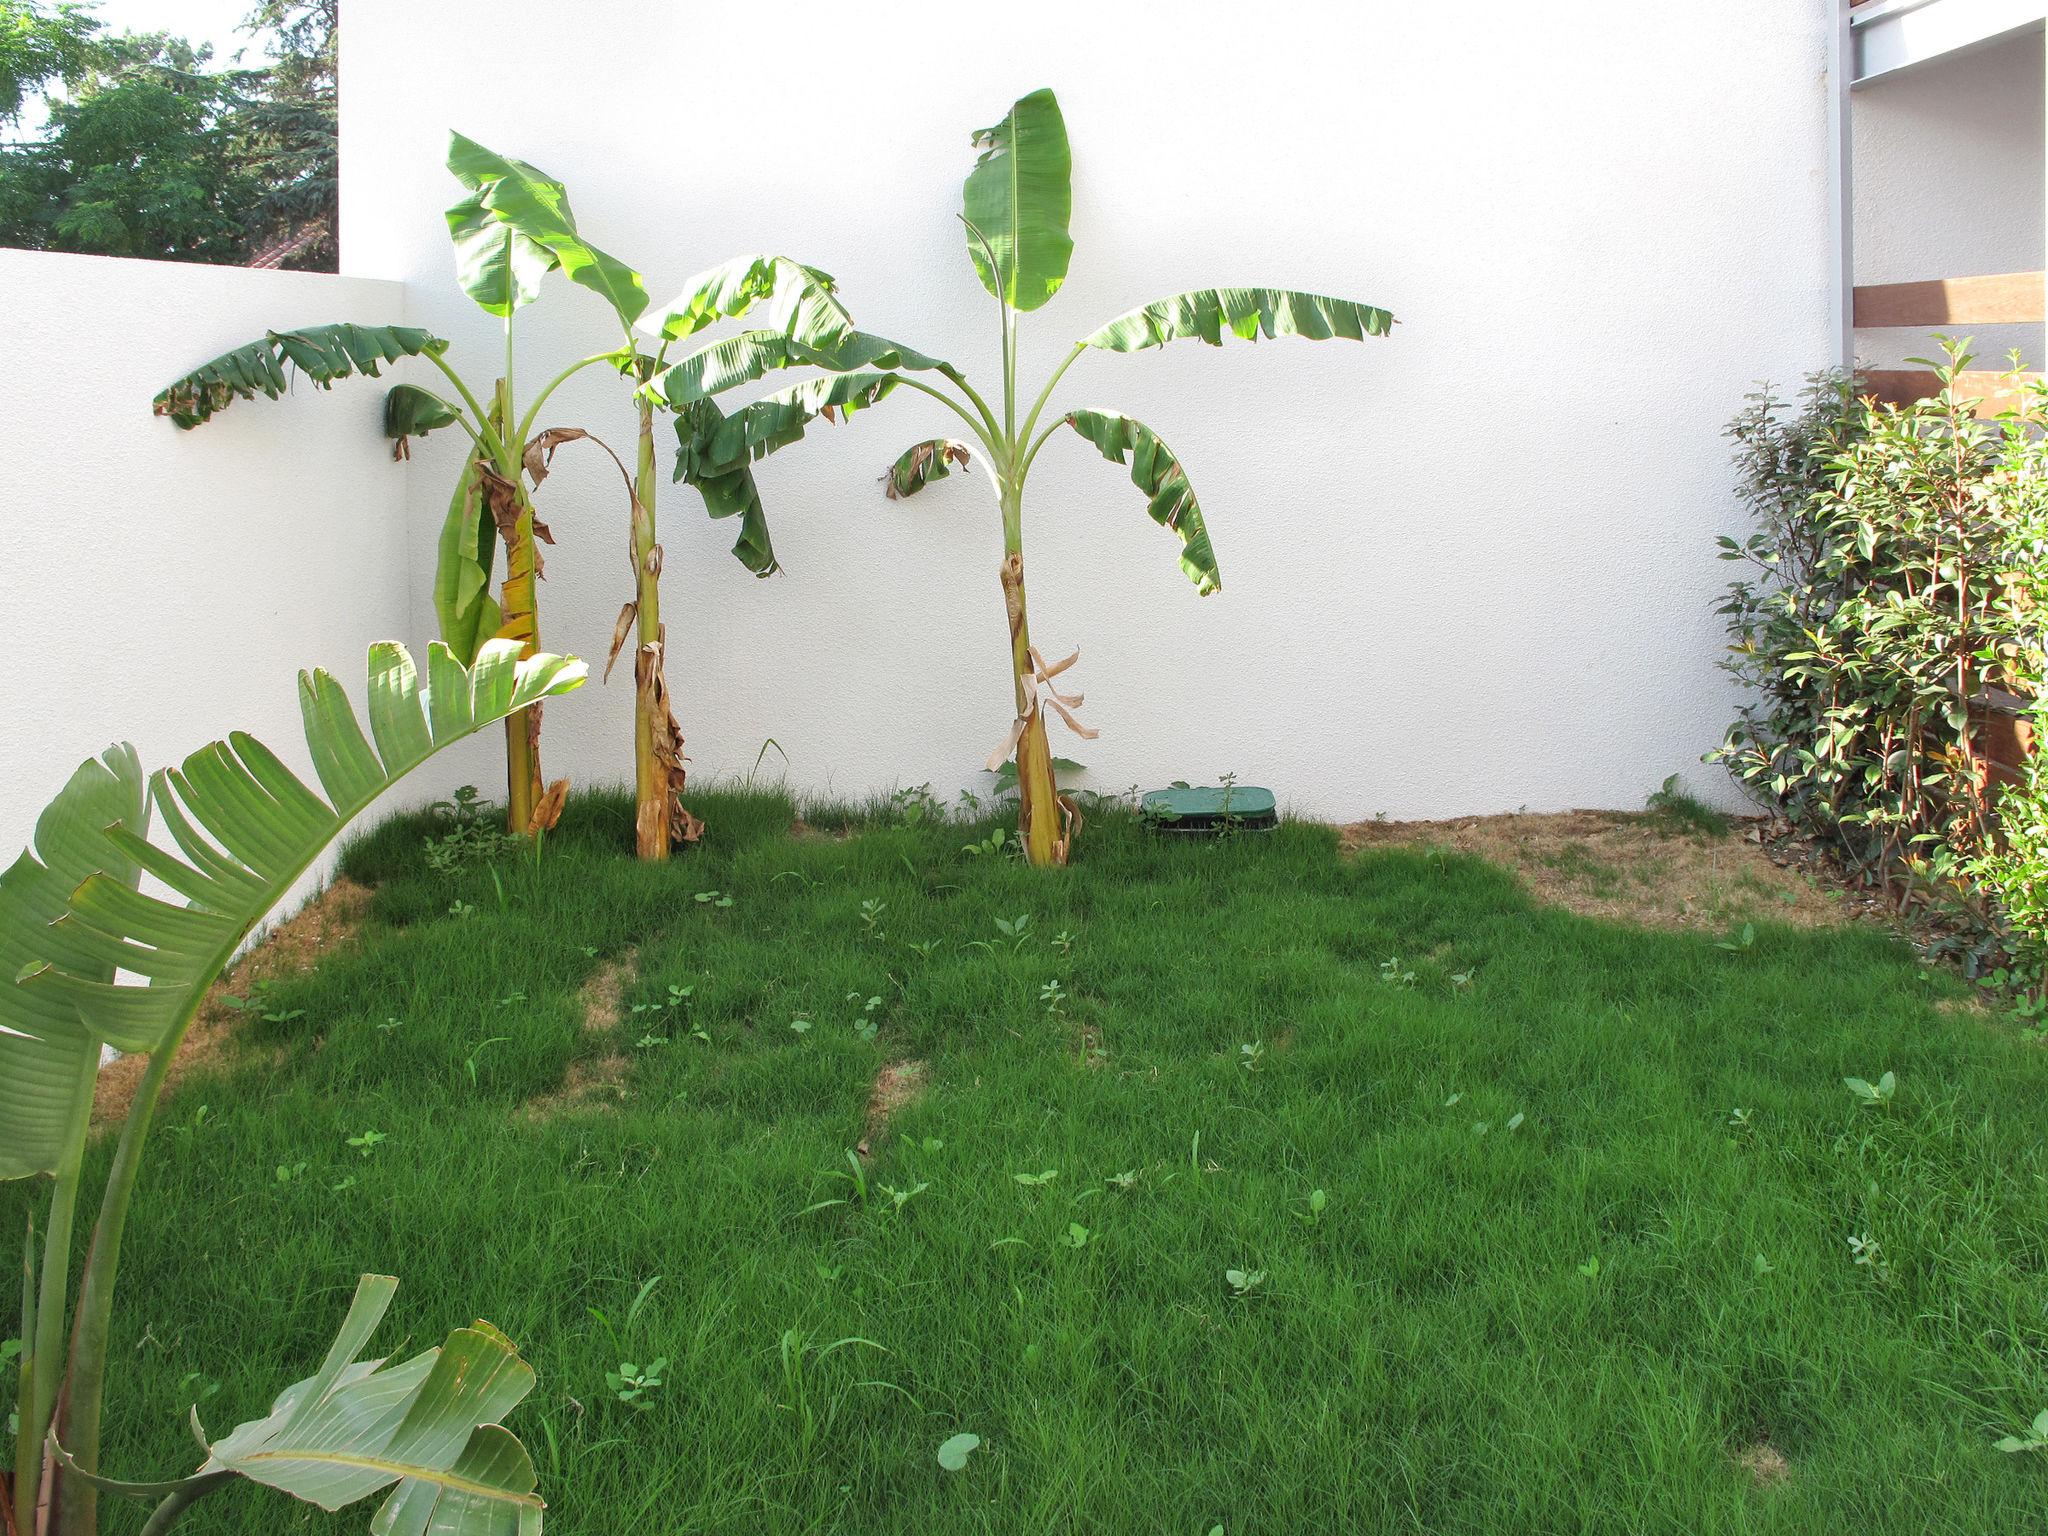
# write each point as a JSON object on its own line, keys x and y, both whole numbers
{"x": 1583, "y": 1241}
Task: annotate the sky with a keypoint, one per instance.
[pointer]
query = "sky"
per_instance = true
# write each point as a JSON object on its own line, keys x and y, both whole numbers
{"x": 198, "y": 21}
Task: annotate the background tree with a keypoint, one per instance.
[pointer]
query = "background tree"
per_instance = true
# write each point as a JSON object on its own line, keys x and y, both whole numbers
{"x": 152, "y": 151}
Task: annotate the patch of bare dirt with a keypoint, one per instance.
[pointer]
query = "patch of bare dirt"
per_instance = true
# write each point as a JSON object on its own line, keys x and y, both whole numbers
{"x": 599, "y": 1081}
{"x": 896, "y": 1085}
{"x": 1765, "y": 1464}
{"x": 1630, "y": 868}
{"x": 291, "y": 948}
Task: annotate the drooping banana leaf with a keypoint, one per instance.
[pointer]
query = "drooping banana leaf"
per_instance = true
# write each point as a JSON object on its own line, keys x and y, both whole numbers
{"x": 427, "y": 1430}
{"x": 922, "y": 463}
{"x": 1156, "y": 472}
{"x": 1018, "y": 198}
{"x": 536, "y": 207}
{"x": 323, "y": 353}
{"x": 743, "y": 358}
{"x": 774, "y": 421}
{"x": 497, "y": 265}
{"x": 802, "y": 302}
{"x": 1208, "y": 314}
{"x": 468, "y": 613}
{"x": 410, "y": 411}
{"x": 50, "y": 1059}
{"x": 728, "y": 492}
{"x": 245, "y": 828}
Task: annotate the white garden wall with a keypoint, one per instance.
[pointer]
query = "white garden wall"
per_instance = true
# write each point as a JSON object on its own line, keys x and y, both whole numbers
{"x": 164, "y": 587}
{"x": 1465, "y": 569}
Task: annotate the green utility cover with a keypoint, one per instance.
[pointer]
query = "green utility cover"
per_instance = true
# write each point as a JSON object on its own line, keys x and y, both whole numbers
{"x": 1207, "y": 809}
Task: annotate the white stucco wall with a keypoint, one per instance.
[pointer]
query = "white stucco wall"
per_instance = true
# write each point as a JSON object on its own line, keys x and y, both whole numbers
{"x": 1949, "y": 183}
{"x": 164, "y": 587}
{"x": 1466, "y": 569}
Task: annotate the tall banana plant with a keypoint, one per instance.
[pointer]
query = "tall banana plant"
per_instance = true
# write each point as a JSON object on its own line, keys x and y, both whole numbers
{"x": 243, "y": 829}
{"x": 1016, "y": 205}
{"x": 510, "y": 229}
{"x": 789, "y": 300}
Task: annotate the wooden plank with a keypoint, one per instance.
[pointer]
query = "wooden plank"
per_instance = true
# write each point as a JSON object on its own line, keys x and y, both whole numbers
{"x": 2005, "y": 298}
{"x": 1900, "y": 386}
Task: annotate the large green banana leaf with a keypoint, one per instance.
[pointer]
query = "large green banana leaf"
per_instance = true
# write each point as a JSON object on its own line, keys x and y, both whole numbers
{"x": 496, "y": 265}
{"x": 468, "y": 613}
{"x": 535, "y": 207}
{"x": 1156, "y": 472}
{"x": 428, "y": 1430}
{"x": 711, "y": 448}
{"x": 1207, "y": 314}
{"x": 245, "y": 828}
{"x": 51, "y": 1060}
{"x": 727, "y": 492}
{"x": 803, "y": 302}
{"x": 743, "y": 358}
{"x": 323, "y": 353}
{"x": 1018, "y": 198}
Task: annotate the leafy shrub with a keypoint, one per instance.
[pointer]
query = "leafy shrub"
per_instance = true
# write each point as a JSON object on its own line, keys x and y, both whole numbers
{"x": 1895, "y": 575}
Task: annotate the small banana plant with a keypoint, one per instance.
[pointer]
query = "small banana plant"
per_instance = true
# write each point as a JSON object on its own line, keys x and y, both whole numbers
{"x": 72, "y": 919}
{"x": 1017, "y": 200}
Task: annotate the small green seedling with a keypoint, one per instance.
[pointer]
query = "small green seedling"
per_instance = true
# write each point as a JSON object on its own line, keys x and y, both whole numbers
{"x": 1876, "y": 1095}
{"x": 1251, "y": 1055}
{"x": 1763, "y": 1266}
{"x": 650, "y": 1042}
{"x": 1036, "y": 1178}
{"x": 287, "y": 1172}
{"x": 2035, "y": 1439}
{"x": 477, "y": 1054}
{"x": 954, "y": 1451}
{"x": 1744, "y": 940}
{"x": 391, "y": 1025}
{"x": 1243, "y": 1282}
{"x": 799, "y": 1026}
{"x": 1312, "y": 1212}
{"x": 1123, "y": 1182}
{"x": 367, "y": 1142}
{"x": 1394, "y": 974}
{"x": 460, "y": 909}
{"x": 633, "y": 1384}
{"x": 714, "y": 898}
{"x": 1016, "y": 929}
{"x": 1514, "y": 1122}
{"x": 1076, "y": 1235}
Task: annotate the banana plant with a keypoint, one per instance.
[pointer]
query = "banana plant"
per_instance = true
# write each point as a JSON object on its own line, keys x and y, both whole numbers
{"x": 513, "y": 226}
{"x": 1016, "y": 206}
{"x": 790, "y": 300}
{"x": 73, "y": 918}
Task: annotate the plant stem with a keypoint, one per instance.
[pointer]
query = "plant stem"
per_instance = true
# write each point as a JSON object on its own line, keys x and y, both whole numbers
{"x": 1037, "y": 797}
{"x": 520, "y": 609}
{"x": 167, "y": 1514}
{"x": 1038, "y": 405}
{"x": 651, "y": 822}
{"x": 74, "y": 1502}
{"x": 28, "y": 1450}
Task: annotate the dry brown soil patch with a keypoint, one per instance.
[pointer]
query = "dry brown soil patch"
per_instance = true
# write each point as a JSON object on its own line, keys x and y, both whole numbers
{"x": 1765, "y": 1464}
{"x": 599, "y": 1081}
{"x": 1630, "y": 868}
{"x": 292, "y": 948}
{"x": 896, "y": 1085}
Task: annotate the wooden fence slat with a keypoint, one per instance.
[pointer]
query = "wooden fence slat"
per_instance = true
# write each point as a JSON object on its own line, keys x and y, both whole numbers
{"x": 2004, "y": 298}
{"x": 1901, "y": 386}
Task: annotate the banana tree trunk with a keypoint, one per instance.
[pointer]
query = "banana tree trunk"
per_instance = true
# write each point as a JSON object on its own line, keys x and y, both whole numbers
{"x": 653, "y": 727}
{"x": 512, "y": 510}
{"x": 1038, "y": 807}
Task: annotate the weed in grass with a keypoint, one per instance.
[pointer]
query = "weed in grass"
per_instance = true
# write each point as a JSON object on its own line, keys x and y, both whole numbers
{"x": 1871, "y": 1095}
{"x": 955, "y": 1449}
{"x": 2035, "y": 1437}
